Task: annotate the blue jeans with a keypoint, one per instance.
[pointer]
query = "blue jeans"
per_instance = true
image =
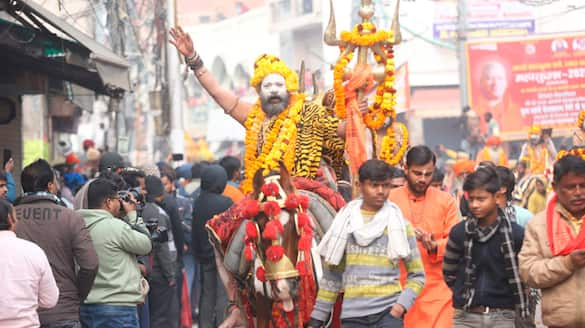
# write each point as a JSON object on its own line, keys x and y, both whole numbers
{"x": 379, "y": 320}
{"x": 108, "y": 316}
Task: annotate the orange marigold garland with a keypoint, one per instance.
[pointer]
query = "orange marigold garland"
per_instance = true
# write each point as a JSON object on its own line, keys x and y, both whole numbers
{"x": 389, "y": 143}
{"x": 365, "y": 35}
{"x": 338, "y": 72}
{"x": 276, "y": 143}
{"x": 384, "y": 103}
{"x": 580, "y": 152}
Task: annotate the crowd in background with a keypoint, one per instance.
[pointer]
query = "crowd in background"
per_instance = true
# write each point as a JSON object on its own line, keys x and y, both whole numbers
{"x": 112, "y": 245}
{"x": 155, "y": 265}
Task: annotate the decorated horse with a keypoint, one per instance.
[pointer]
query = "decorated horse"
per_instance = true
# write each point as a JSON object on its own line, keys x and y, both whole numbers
{"x": 265, "y": 249}
{"x": 265, "y": 245}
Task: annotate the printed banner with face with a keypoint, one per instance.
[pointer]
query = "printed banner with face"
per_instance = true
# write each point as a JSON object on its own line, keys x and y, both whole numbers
{"x": 518, "y": 83}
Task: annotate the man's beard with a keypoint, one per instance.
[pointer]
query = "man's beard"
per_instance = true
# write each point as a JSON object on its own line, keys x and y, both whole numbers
{"x": 271, "y": 109}
{"x": 416, "y": 188}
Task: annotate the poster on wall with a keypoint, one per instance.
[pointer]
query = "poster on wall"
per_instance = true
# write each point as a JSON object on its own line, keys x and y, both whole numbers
{"x": 528, "y": 81}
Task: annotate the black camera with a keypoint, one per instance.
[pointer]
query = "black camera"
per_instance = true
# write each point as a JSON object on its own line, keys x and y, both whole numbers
{"x": 157, "y": 233}
{"x": 125, "y": 196}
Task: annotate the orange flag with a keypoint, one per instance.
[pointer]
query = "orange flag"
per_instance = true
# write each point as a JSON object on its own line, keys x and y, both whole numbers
{"x": 355, "y": 129}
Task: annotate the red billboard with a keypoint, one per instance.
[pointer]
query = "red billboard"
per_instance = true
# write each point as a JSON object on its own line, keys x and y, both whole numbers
{"x": 527, "y": 81}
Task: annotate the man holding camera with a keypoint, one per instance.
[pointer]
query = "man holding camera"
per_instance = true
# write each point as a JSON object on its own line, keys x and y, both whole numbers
{"x": 163, "y": 299}
{"x": 119, "y": 235}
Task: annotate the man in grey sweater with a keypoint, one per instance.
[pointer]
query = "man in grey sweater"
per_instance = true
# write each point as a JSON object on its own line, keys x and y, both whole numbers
{"x": 362, "y": 251}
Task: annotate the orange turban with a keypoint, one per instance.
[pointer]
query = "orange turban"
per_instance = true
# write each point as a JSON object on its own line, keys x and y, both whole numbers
{"x": 463, "y": 166}
{"x": 493, "y": 141}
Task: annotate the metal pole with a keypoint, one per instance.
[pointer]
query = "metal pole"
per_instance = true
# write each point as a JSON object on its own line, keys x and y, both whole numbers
{"x": 175, "y": 88}
{"x": 461, "y": 39}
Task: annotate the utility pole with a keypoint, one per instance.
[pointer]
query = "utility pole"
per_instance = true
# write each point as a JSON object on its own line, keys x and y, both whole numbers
{"x": 175, "y": 87}
{"x": 461, "y": 39}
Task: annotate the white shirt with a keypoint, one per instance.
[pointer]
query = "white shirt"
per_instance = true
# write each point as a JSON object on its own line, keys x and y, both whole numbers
{"x": 26, "y": 282}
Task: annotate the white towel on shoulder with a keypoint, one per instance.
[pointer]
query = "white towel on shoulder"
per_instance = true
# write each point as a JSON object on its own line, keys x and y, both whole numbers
{"x": 350, "y": 221}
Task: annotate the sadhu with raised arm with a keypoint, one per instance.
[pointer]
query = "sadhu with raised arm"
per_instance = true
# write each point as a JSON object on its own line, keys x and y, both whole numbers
{"x": 281, "y": 125}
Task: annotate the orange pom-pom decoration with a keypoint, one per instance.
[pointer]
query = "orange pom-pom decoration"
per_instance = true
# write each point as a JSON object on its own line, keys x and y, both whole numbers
{"x": 270, "y": 189}
{"x": 261, "y": 274}
{"x": 302, "y": 268}
{"x": 274, "y": 253}
{"x": 304, "y": 202}
{"x": 303, "y": 219}
{"x": 251, "y": 232}
{"x": 250, "y": 209}
{"x": 272, "y": 229}
{"x": 271, "y": 208}
{"x": 249, "y": 253}
{"x": 305, "y": 242}
{"x": 292, "y": 202}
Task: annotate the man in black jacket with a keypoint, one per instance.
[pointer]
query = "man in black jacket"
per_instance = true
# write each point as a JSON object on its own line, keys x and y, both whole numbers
{"x": 164, "y": 303}
{"x": 210, "y": 202}
{"x": 481, "y": 259}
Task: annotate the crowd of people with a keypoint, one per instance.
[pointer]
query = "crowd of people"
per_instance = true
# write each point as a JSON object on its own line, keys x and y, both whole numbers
{"x": 436, "y": 241}
{"x": 100, "y": 243}
{"x": 130, "y": 248}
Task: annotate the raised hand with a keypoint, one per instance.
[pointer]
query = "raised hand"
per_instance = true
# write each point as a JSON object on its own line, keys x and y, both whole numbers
{"x": 182, "y": 41}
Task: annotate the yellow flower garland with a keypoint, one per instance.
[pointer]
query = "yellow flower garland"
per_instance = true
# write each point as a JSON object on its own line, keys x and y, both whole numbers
{"x": 385, "y": 101}
{"x": 338, "y": 72}
{"x": 359, "y": 38}
{"x": 389, "y": 144}
{"x": 383, "y": 106}
{"x": 278, "y": 143}
{"x": 580, "y": 152}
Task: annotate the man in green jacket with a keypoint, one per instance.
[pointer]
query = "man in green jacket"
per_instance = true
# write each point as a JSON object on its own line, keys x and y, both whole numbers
{"x": 117, "y": 289}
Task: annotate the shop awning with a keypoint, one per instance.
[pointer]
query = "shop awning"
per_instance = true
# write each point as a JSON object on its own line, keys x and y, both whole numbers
{"x": 111, "y": 69}
{"x": 435, "y": 102}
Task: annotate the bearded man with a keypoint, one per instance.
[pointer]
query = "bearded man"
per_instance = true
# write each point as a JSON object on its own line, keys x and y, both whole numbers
{"x": 275, "y": 123}
{"x": 432, "y": 213}
{"x": 281, "y": 126}
{"x": 539, "y": 151}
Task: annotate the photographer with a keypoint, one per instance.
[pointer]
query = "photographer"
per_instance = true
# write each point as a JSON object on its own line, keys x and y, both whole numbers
{"x": 164, "y": 305}
{"x": 118, "y": 285}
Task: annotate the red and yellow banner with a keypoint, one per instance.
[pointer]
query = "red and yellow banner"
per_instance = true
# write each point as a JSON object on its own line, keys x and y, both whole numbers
{"x": 528, "y": 81}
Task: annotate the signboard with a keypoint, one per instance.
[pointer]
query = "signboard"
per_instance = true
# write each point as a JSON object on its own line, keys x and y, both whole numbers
{"x": 495, "y": 18}
{"x": 528, "y": 81}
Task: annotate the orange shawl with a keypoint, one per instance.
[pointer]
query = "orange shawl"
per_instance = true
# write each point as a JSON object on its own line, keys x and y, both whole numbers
{"x": 560, "y": 234}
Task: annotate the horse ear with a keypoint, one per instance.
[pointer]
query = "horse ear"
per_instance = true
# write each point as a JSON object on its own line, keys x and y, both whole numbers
{"x": 258, "y": 182}
{"x": 285, "y": 179}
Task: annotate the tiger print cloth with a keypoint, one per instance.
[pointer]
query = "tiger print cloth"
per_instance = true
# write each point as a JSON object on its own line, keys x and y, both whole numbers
{"x": 317, "y": 138}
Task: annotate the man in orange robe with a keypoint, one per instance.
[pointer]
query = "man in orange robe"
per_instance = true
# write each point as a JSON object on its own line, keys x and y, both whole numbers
{"x": 432, "y": 212}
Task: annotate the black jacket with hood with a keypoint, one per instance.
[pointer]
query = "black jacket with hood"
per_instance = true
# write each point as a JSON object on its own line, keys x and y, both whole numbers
{"x": 209, "y": 203}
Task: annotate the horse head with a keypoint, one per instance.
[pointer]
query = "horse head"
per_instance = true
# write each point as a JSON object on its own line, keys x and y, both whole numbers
{"x": 278, "y": 236}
